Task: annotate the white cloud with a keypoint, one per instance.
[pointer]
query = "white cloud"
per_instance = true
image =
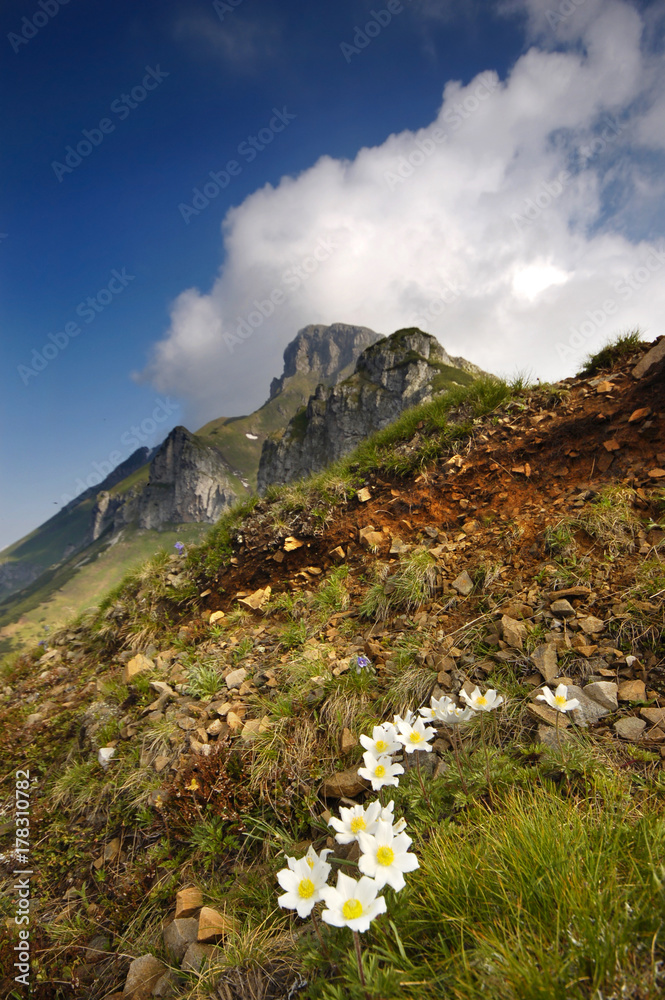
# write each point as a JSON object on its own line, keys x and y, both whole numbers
{"x": 497, "y": 228}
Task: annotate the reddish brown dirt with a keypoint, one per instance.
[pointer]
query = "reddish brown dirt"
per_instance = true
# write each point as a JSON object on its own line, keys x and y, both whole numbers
{"x": 520, "y": 472}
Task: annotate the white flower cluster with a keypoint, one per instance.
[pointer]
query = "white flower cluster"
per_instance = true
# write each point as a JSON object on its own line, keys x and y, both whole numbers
{"x": 384, "y": 860}
{"x": 384, "y": 846}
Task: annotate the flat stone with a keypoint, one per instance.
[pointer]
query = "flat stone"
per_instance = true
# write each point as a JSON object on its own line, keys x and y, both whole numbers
{"x": 603, "y": 692}
{"x": 398, "y": 547}
{"x": 179, "y": 935}
{"x": 630, "y": 728}
{"x": 656, "y": 716}
{"x": 235, "y": 678}
{"x": 632, "y": 691}
{"x": 652, "y": 357}
{"x": 215, "y": 728}
{"x": 371, "y": 538}
{"x": 548, "y": 736}
{"x": 344, "y": 784}
{"x": 562, "y": 608}
{"x": 514, "y": 632}
{"x": 168, "y": 986}
{"x": 186, "y": 723}
{"x": 544, "y": 713}
{"x": 143, "y": 975}
{"x": 348, "y": 741}
{"x": 196, "y": 955}
{"x": 589, "y": 711}
{"x": 137, "y": 665}
{"x": 463, "y": 584}
{"x": 544, "y": 658}
{"x": 254, "y": 727}
{"x": 187, "y": 902}
{"x": 213, "y": 925}
{"x": 590, "y": 625}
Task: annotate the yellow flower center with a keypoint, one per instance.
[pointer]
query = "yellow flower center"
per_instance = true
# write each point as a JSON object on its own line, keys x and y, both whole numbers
{"x": 379, "y": 771}
{"x": 385, "y": 856}
{"x": 560, "y": 700}
{"x": 415, "y": 737}
{"x": 352, "y": 909}
{"x": 482, "y": 700}
{"x": 357, "y": 823}
{"x": 381, "y": 745}
{"x": 306, "y": 888}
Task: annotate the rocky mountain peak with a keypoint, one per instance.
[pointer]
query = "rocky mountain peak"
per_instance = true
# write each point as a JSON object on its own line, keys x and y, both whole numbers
{"x": 392, "y": 374}
{"x": 324, "y": 350}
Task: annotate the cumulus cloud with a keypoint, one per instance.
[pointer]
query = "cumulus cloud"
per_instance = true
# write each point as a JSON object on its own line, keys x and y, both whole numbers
{"x": 506, "y": 227}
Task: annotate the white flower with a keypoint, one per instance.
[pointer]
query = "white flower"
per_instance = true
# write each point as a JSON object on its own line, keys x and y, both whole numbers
{"x": 314, "y": 860}
{"x": 385, "y": 856}
{"x": 303, "y": 884}
{"x": 437, "y": 709}
{"x": 388, "y": 816}
{"x": 408, "y": 718}
{"x": 414, "y": 736}
{"x": 558, "y": 699}
{"x": 354, "y": 821}
{"x": 482, "y": 702}
{"x": 104, "y": 755}
{"x": 453, "y": 716}
{"x": 380, "y": 770}
{"x": 352, "y": 904}
{"x": 382, "y": 741}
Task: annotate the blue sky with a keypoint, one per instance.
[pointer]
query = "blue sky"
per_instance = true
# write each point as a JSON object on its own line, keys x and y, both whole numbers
{"x": 437, "y": 136}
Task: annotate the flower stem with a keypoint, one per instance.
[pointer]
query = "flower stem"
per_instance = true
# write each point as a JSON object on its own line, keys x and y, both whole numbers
{"x": 317, "y": 928}
{"x": 453, "y": 740}
{"x": 558, "y": 738}
{"x": 420, "y": 779}
{"x": 356, "y": 938}
{"x": 487, "y": 753}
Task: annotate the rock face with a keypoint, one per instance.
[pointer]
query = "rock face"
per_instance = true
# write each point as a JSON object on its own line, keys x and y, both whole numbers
{"x": 324, "y": 350}
{"x": 189, "y": 481}
{"x": 390, "y": 376}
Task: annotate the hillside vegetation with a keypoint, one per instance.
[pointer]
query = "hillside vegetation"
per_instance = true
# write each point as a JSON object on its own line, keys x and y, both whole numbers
{"x": 503, "y": 536}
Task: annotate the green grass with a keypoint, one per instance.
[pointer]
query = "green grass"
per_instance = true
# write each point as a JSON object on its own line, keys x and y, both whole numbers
{"x": 620, "y": 346}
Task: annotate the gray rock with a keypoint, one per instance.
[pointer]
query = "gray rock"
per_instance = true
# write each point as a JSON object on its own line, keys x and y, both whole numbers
{"x": 605, "y": 693}
{"x": 196, "y": 955}
{"x": 514, "y": 632}
{"x": 168, "y": 986}
{"x": 544, "y": 659}
{"x": 179, "y": 935}
{"x": 589, "y": 711}
{"x": 562, "y": 608}
{"x": 235, "y": 678}
{"x": 463, "y": 584}
{"x": 144, "y": 974}
{"x": 630, "y": 728}
{"x": 652, "y": 357}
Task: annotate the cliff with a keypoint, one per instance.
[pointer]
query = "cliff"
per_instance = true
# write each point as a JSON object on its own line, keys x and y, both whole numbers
{"x": 188, "y": 481}
{"x": 391, "y": 375}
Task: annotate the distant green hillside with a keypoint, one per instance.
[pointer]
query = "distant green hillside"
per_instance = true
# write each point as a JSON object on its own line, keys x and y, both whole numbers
{"x": 80, "y": 581}
{"x": 229, "y": 434}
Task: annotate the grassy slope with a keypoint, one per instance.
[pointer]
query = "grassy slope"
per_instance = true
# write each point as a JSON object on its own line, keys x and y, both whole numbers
{"x": 56, "y": 598}
{"x": 46, "y": 544}
{"x": 540, "y": 867}
{"x": 229, "y": 434}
